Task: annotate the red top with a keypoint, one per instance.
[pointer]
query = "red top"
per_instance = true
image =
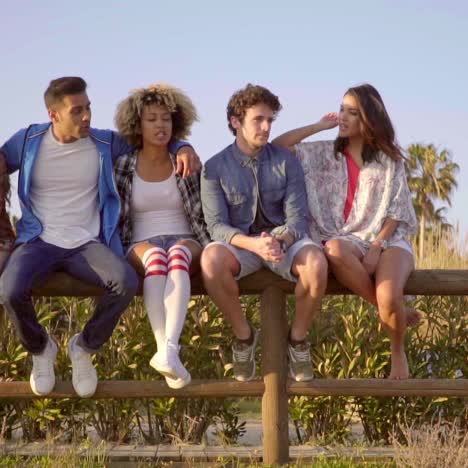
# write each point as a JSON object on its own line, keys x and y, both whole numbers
{"x": 353, "y": 176}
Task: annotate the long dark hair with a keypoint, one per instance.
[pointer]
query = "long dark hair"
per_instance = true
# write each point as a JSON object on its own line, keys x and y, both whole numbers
{"x": 376, "y": 127}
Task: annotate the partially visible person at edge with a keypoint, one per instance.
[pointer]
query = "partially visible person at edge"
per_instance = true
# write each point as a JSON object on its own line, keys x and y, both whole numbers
{"x": 7, "y": 234}
{"x": 360, "y": 204}
{"x": 70, "y": 210}
{"x": 255, "y": 207}
{"x": 161, "y": 222}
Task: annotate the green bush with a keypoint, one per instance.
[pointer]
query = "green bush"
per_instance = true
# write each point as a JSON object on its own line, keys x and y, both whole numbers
{"x": 125, "y": 357}
{"x": 347, "y": 341}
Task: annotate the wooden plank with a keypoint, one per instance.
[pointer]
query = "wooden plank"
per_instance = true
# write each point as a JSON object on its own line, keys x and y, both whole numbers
{"x": 227, "y": 388}
{"x": 274, "y": 369}
{"x": 423, "y": 282}
{"x": 141, "y": 389}
{"x": 381, "y": 387}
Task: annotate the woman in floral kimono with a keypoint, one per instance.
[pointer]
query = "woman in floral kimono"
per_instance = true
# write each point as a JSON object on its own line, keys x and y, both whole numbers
{"x": 361, "y": 208}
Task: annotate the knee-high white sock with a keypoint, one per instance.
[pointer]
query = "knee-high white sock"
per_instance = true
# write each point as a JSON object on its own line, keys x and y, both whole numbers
{"x": 155, "y": 263}
{"x": 177, "y": 290}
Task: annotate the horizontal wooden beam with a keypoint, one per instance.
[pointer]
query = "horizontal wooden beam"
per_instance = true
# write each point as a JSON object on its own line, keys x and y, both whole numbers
{"x": 142, "y": 389}
{"x": 230, "y": 388}
{"x": 423, "y": 282}
{"x": 381, "y": 387}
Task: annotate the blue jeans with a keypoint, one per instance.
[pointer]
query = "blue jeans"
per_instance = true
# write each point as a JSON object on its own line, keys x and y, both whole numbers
{"x": 93, "y": 263}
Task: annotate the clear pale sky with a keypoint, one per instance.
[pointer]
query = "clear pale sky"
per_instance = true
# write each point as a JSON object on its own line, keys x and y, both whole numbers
{"x": 306, "y": 52}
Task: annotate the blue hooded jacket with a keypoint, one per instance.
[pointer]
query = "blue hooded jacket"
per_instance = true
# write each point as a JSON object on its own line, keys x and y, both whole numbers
{"x": 21, "y": 151}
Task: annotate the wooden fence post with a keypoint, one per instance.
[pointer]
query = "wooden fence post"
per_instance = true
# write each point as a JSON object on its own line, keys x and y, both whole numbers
{"x": 274, "y": 369}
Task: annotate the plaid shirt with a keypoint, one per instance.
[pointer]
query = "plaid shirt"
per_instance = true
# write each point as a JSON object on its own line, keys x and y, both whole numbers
{"x": 189, "y": 188}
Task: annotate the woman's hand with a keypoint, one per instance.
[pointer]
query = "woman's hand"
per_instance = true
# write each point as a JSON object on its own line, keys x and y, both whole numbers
{"x": 328, "y": 121}
{"x": 371, "y": 259}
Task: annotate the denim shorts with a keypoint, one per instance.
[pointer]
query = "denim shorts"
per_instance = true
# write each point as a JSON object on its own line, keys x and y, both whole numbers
{"x": 164, "y": 242}
{"x": 251, "y": 262}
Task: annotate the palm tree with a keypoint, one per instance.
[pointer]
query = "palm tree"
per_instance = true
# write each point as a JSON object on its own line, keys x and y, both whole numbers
{"x": 431, "y": 179}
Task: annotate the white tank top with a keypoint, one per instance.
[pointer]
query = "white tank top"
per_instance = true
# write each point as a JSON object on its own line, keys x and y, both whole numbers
{"x": 157, "y": 209}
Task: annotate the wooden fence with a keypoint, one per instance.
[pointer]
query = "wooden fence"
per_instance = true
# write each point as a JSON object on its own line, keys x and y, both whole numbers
{"x": 274, "y": 387}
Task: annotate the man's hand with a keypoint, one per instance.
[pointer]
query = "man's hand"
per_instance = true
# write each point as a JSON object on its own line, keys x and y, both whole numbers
{"x": 371, "y": 259}
{"x": 188, "y": 161}
{"x": 328, "y": 121}
{"x": 268, "y": 248}
{"x": 286, "y": 237}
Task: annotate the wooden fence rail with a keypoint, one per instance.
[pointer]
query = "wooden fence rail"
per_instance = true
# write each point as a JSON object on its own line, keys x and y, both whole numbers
{"x": 274, "y": 388}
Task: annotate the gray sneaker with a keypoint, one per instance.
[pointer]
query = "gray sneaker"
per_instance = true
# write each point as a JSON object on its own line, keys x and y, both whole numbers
{"x": 300, "y": 365}
{"x": 243, "y": 359}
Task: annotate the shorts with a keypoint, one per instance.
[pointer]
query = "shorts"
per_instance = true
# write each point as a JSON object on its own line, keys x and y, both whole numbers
{"x": 251, "y": 262}
{"x": 164, "y": 242}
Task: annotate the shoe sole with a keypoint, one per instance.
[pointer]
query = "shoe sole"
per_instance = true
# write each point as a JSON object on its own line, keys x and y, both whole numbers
{"x": 166, "y": 371}
{"x": 293, "y": 376}
{"x": 178, "y": 383}
{"x": 85, "y": 395}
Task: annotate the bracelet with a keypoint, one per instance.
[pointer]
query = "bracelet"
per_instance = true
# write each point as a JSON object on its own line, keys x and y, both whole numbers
{"x": 283, "y": 245}
{"x": 382, "y": 243}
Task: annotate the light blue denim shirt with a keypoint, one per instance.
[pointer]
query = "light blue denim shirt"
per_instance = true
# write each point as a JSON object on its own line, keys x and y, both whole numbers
{"x": 229, "y": 192}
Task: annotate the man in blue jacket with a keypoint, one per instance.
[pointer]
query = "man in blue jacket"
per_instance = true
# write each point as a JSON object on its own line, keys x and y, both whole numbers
{"x": 254, "y": 203}
{"x": 70, "y": 210}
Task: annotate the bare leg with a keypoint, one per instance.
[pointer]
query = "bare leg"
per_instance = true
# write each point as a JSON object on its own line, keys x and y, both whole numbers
{"x": 219, "y": 267}
{"x": 393, "y": 269}
{"x": 311, "y": 269}
{"x": 345, "y": 261}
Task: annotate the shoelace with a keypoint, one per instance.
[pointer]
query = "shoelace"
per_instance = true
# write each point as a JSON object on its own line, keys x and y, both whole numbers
{"x": 242, "y": 355}
{"x": 302, "y": 356}
{"x": 41, "y": 366}
{"x": 82, "y": 365}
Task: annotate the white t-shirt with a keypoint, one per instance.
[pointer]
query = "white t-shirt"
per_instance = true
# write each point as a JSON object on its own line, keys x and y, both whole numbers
{"x": 157, "y": 209}
{"x": 64, "y": 191}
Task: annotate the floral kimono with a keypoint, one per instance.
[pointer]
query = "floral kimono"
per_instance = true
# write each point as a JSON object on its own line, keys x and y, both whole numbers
{"x": 381, "y": 192}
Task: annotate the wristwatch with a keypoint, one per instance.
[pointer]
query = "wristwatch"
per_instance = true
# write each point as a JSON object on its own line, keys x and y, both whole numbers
{"x": 382, "y": 243}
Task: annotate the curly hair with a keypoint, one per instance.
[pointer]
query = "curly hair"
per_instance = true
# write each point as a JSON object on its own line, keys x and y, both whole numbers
{"x": 128, "y": 114}
{"x": 248, "y": 97}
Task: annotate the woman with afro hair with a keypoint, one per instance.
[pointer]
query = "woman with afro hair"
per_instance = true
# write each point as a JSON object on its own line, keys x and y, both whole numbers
{"x": 161, "y": 225}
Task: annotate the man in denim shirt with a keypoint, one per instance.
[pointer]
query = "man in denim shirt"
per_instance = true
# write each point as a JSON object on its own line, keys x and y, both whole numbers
{"x": 254, "y": 202}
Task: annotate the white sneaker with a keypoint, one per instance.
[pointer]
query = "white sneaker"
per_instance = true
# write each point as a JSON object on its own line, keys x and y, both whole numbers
{"x": 42, "y": 379}
{"x": 84, "y": 375}
{"x": 178, "y": 383}
{"x": 168, "y": 363}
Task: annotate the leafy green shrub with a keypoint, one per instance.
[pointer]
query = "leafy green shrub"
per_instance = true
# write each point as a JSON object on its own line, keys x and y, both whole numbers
{"x": 347, "y": 341}
{"x": 126, "y": 357}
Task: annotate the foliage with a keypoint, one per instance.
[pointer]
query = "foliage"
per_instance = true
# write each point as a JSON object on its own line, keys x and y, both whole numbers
{"x": 126, "y": 357}
{"x": 432, "y": 180}
{"x": 346, "y": 342}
